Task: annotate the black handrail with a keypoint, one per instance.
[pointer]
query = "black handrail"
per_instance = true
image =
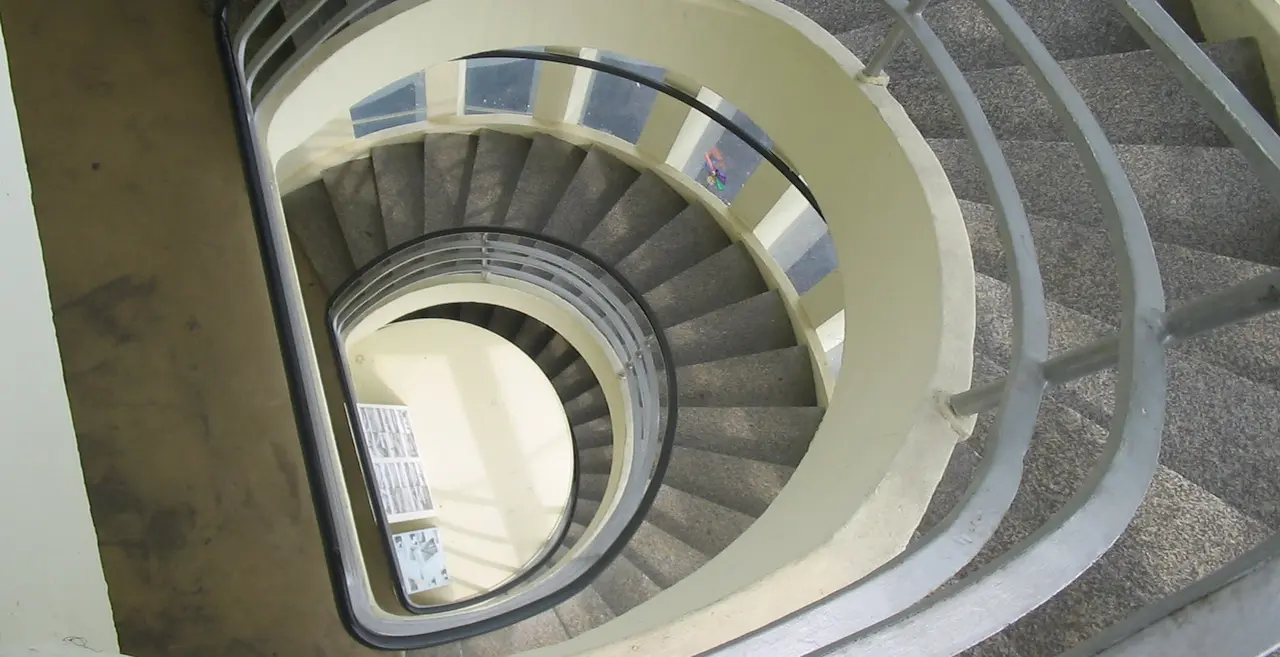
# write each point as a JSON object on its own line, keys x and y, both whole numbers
{"x": 666, "y": 89}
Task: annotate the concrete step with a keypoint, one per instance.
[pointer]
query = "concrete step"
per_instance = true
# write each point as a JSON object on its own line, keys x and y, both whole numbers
{"x": 584, "y": 511}
{"x": 623, "y": 586}
{"x": 1069, "y": 30}
{"x": 691, "y": 237}
{"x": 783, "y": 377}
{"x": 556, "y": 356}
{"x": 727, "y": 277}
{"x": 355, "y": 202}
{"x": 836, "y": 16}
{"x": 663, "y": 558}
{"x": 595, "y": 460}
{"x": 548, "y": 170}
{"x": 1219, "y": 430}
{"x": 311, "y": 218}
{"x": 1180, "y": 534}
{"x": 447, "y": 650}
{"x": 701, "y": 524}
{"x": 596, "y": 433}
{"x": 532, "y": 336}
{"x": 506, "y": 322}
{"x": 730, "y": 481}
{"x": 1177, "y": 186}
{"x": 1079, "y": 272}
{"x": 592, "y": 485}
{"x": 582, "y": 612}
{"x": 446, "y": 174}
{"x": 597, "y": 185}
{"x": 1113, "y": 86}
{"x": 778, "y": 435}
{"x": 750, "y": 326}
{"x": 574, "y": 380}
{"x": 648, "y": 204}
{"x": 537, "y": 631}
{"x": 500, "y": 158}
{"x": 397, "y": 169}
{"x": 587, "y": 407}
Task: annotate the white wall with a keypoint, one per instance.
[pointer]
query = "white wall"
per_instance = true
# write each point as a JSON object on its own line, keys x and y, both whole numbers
{"x": 52, "y": 591}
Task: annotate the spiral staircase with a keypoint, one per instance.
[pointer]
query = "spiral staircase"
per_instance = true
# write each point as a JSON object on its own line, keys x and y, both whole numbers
{"x": 785, "y": 443}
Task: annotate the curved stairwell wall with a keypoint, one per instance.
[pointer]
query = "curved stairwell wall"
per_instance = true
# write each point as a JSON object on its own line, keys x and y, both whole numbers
{"x": 905, "y": 273}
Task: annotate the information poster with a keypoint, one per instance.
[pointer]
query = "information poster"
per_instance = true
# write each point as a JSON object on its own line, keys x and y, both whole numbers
{"x": 420, "y": 560}
{"x": 397, "y": 465}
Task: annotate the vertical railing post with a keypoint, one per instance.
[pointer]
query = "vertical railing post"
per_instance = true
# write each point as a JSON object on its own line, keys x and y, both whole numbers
{"x": 875, "y": 66}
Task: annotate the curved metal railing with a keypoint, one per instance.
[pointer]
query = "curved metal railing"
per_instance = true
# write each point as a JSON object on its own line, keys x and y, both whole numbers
{"x": 901, "y": 607}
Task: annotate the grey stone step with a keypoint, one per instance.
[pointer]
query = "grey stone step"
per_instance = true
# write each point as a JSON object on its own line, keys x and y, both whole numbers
{"x": 691, "y": 237}
{"x": 1079, "y": 272}
{"x": 475, "y": 313}
{"x": 1069, "y": 30}
{"x": 537, "y": 631}
{"x": 398, "y": 171}
{"x": 701, "y": 524}
{"x": 355, "y": 200}
{"x": 310, "y": 216}
{"x": 574, "y": 380}
{"x": 586, "y": 407}
{"x": 596, "y": 433}
{"x": 1113, "y": 86}
{"x": 648, "y": 204}
{"x": 446, "y": 174}
{"x": 783, "y": 377}
{"x": 750, "y": 326}
{"x": 574, "y": 534}
{"x": 730, "y": 481}
{"x": 597, "y": 185}
{"x": 595, "y": 460}
{"x": 499, "y": 160}
{"x": 506, "y": 322}
{"x": 778, "y": 435}
{"x": 836, "y": 16}
{"x": 583, "y": 612}
{"x": 623, "y": 586}
{"x": 532, "y": 336}
{"x": 447, "y": 650}
{"x": 556, "y": 356}
{"x": 727, "y": 277}
{"x": 1178, "y": 188}
{"x": 592, "y": 485}
{"x": 1180, "y": 534}
{"x": 1219, "y": 430}
{"x": 663, "y": 558}
{"x": 548, "y": 170}
{"x": 584, "y": 511}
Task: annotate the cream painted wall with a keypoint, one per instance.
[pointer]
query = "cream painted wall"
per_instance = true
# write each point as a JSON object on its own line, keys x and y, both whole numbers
{"x": 52, "y": 592}
{"x": 497, "y": 448}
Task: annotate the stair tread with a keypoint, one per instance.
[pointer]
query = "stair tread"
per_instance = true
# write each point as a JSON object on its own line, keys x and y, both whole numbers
{"x": 1069, "y": 30}
{"x": 701, "y": 524}
{"x": 727, "y": 277}
{"x": 1079, "y": 273}
{"x": 537, "y": 631}
{"x": 1112, "y": 85}
{"x": 556, "y": 356}
{"x": 584, "y": 611}
{"x": 597, "y": 185}
{"x": 595, "y": 460}
{"x": 731, "y": 481}
{"x": 1219, "y": 430}
{"x": 753, "y": 325}
{"x": 596, "y": 433}
{"x": 778, "y": 435}
{"x": 588, "y": 406}
{"x": 689, "y": 238}
{"x": 647, "y": 205}
{"x": 506, "y": 322}
{"x": 1181, "y": 533}
{"x": 663, "y": 558}
{"x": 532, "y": 336}
{"x": 623, "y": 586}
{"x": 310, "y": 216}
{"x": 548, "y": 169}
{"x": 499, "y": 159}
{"x": 354, "y": 193}
{"x": 397, "y": 169}
{"x": 838, "y": 16}
{"x": 575, "y": 379}
{"x": 783, "y": 377}
{"x": 446, "y": 170}
{"x": 1178, "y": 186}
